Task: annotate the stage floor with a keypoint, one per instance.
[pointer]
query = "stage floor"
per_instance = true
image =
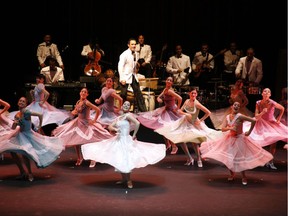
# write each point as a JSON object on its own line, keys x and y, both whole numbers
{"x": 167, "y": 188}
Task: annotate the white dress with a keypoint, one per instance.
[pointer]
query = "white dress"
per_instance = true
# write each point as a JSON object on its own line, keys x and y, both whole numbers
{"x": 122, "y": 152}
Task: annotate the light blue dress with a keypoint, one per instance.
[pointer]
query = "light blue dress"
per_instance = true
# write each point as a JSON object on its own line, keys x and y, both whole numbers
{"x": 43, "y": 150}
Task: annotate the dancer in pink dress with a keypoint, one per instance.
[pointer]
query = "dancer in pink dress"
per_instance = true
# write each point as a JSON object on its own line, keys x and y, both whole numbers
{"x": 82, "y": 129}
{"x": 190, "y": 129}
{"x": 237, "y": 94}
{"x": 123, "y": 151}
{"x": 5, "y": 122}
{"x": 235, "y": 149}
{"x": 166, "y": 114}
{"x": 108, "y": 111}
{"x": 51, "y": 115}
{"x": 268, "y": 129}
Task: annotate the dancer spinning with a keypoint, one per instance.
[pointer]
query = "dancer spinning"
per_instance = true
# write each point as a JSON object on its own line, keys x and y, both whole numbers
{"x": 190, "y": 129}
{"x": 268, "y": 130}
{"x": 108, "y": 112}
{"x": 82, "y": 129}
{"x": 235, "y": 149}
{"x": 123, "y": 151}
{"x": 43, "y": 150}
{"x": 51, "y": 115}
{"x": 237, "y": 94}
{"x": 166, "y": 114}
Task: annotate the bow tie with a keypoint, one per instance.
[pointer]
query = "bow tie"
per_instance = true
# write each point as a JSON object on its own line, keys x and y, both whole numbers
{"x": 141, "y": 45}
{"x": 179, "y": 56}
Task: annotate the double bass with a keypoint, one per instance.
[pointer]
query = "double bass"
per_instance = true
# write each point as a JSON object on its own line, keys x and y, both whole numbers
{"x": 93, "y": 68}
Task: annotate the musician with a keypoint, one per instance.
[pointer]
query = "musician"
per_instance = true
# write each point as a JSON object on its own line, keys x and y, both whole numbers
{"x": 92, "y": 54}
{"x": 145, "y": 56}
{"x": 179, "y": 66}
{"x": 249, "y": 68}
{"x": 53, "y": 75}
{"x": 231, "y": 58}
{"x": 128, "y": 67}
{"x": 88, "y": 49}
{"x": 47, "y": 48}
{"x": 202, "y": 66}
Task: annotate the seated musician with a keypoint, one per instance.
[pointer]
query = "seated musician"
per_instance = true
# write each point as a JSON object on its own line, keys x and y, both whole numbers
{"x": 53, "y": 75}
{"x": 202, "y": 65}
{"x": 179, "y": 67}
{"x": 92, "y": 53}
{"x": 145, "y": 56}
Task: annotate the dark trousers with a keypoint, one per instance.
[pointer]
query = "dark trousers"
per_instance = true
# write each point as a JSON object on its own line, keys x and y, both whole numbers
{"x": 138, "y": 97}
{"x": 146, "y": 71}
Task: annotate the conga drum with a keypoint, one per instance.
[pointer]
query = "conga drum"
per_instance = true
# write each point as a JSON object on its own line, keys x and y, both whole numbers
{"x": 149, "y": 98}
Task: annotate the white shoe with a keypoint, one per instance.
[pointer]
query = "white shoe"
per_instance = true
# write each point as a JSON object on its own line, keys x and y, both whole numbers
{"x": 189, "y": 162}
{"x": 92, "y": 164}
{"x": 199, "y": 163}
{"x": 272, "y": 166}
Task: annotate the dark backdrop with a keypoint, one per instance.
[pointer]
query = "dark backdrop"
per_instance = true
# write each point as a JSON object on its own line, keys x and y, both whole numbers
{"x": 261, "y": 24}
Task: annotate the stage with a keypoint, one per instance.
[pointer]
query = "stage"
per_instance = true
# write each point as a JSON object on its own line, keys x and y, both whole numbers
{"x": 167, "y": 188}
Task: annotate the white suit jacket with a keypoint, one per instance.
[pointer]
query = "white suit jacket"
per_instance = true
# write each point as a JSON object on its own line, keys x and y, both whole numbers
{"x": 59, "y": 76}
{"x": 255, "y": 74}
{"x": 127, "y": 65}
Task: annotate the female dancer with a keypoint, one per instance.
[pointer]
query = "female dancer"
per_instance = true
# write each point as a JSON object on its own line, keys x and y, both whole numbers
{"x": 123, "y": 151}
{"x": 82, "y": 129}
{"x": 235, "y": 150}
{"x": 166, "y": 114}
{"x": 5, "y": 122}
{"x": 268, "y": 130}
{"x": 51, "y": 115}
{"x": 43, "y": 150}
{"x": 190, "y": 129}
{"x": 237, "y": 94}
{"x": 108, "y": 112}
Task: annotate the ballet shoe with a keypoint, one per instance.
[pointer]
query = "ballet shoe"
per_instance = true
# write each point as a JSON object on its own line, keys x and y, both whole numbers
{"x": 189, "y": 162}
{"x": 79, "y": 162}
{"x": 174, "y": 150}
{"x": 199, "y": 163}
{"x": 92, "y": 164}
{"x": 129, "y": 184}
{"x": 30, "y": 177}
{"x": 244, "y": 181}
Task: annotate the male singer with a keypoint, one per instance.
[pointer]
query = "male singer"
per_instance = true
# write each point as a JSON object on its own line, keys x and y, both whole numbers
{"x": 128, "y": 69}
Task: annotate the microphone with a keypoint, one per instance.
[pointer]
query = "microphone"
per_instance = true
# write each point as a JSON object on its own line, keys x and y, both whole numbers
{"x": 134, "y": 55}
